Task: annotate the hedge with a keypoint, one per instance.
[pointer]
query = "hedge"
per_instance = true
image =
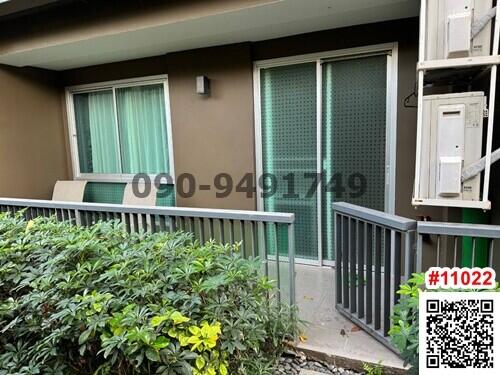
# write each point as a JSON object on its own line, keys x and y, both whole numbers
{"x": 98, "y": 300}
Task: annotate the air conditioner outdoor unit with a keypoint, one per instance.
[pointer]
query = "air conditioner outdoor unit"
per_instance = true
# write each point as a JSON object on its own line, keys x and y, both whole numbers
{"x": 451, "y": 140}
{"x": 458, "y": 28}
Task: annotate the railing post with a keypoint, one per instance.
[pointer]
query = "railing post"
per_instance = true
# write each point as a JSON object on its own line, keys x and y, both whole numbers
{"x": 345, "y": 261}
{"x": 408, "y": 255}
{"x": 276, "y": 244}
{"x": 361, "y": 268}
{"x": 338, "y": 257}
{"x": 291, "y": 261}
{"x": 397, "y": 265}
{"x": 369, "y": 273}
{"x": 418, "y": 267}
{"x": 352, "y": 265}
{"x": 491, "y": 249}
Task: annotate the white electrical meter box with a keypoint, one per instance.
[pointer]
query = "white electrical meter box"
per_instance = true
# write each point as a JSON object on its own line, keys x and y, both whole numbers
{"x": 451, "y": 25}
{"x": 452, "y": 132}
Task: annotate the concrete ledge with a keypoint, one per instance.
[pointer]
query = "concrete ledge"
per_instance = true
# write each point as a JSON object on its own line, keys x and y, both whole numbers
{"x": 348, "y": 363}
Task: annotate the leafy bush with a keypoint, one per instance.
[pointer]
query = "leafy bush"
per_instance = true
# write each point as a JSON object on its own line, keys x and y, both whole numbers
{"x": 404, "y": 330}
{"x": 375, "y": 369}
{"x": 97, "y": 300}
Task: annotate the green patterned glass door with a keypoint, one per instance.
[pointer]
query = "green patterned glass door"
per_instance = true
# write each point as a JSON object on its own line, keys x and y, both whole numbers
{"x": 288, "y": 121}
{"x": 354, "y": 93}
{"x": 353, "y": 144}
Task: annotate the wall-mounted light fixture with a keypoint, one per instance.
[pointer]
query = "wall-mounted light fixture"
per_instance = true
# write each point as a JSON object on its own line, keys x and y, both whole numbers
{"x": 202, "y": 85}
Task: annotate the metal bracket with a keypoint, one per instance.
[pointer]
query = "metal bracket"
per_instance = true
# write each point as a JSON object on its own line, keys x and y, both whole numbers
{"x": 477, "y": 167}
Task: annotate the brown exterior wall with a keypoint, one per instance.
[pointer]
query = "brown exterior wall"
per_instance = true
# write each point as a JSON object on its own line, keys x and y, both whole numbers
{"x": 216, "y": 134}
{"x": 212, "y": 134}
{"x": 32, "y": 138}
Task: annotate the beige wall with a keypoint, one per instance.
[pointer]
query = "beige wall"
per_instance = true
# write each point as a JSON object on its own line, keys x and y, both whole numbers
{"x": 32, "y": 138}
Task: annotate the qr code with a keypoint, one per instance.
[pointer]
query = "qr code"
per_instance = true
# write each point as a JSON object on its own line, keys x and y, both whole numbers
{"x": 459, "y": 333}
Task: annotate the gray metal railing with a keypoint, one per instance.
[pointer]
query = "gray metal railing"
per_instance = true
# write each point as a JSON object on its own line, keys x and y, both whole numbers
{"x": 252, "y": 228}
{"x": 440, "y": 244}
{"x": 374, "y": 254}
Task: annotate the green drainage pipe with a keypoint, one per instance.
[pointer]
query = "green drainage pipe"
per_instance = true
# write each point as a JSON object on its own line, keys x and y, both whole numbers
{"x": 474, "y": 216}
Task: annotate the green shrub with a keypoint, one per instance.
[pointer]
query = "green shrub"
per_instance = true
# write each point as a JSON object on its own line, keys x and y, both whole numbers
{"x": 97, "y": 300}
{"x": 404, "y": 330}
{"x": 375, "y": 369}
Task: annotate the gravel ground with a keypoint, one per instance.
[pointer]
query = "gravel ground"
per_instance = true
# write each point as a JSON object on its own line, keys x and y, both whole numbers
{"x": 292, "y": 364}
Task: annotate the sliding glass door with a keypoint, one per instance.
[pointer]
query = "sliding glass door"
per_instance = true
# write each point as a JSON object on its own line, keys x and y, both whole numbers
{"x": 289, "y": 150}
{"x": 323, "y": 130}
{"x": 354, "y": 96}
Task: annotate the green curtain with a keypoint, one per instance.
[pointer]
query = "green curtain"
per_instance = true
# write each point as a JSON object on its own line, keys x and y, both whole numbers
{"x": 141, "y": 119}
{"x": 81, "y": 105}
{"x": 288, "y": 104}
{"x": 103, "y": 135}
{"x": 353, "y": 137}
{"x": 96, "y": 132}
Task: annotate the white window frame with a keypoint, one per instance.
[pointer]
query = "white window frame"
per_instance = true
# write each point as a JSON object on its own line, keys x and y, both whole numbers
{"x": 391, "y": 120}
{"x": 113, "y": 85}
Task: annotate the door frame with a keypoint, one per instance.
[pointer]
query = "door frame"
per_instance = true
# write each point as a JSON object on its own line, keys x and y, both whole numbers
{"x": 391, "y": 49}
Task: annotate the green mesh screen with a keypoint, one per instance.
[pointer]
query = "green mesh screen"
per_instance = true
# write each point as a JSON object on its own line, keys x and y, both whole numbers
{"x": 277, "y": 236}
{"x": 353, "y": 136}
{"x": 288, "y": 104}
{"x": 106, "y": 192}
{"x": 166, "y": 196}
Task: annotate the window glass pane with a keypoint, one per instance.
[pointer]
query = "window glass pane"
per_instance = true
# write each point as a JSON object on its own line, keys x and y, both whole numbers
{"x": 96, "y": 132}
{"x": 143, "y": 132}
{"x": 288, "y": 104}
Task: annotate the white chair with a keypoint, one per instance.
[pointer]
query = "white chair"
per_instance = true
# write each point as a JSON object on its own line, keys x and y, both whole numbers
{"x": 131, "y": 199}
{"x": 69, "y": 191}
